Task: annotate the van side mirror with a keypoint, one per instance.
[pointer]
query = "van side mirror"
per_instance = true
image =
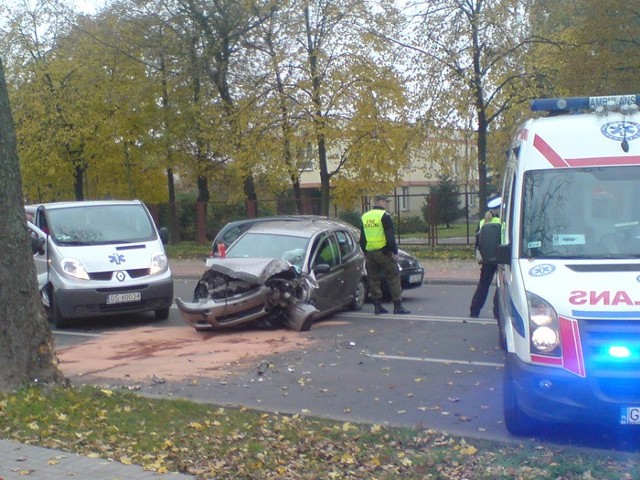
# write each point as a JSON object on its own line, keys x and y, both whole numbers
{"x": 37, "y": 245}
{"x": 503, "y": 254}
{"x": 164, "y": 235}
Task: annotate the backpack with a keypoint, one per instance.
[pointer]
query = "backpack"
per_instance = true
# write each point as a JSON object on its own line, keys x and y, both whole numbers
{"x": 488, "y": 241}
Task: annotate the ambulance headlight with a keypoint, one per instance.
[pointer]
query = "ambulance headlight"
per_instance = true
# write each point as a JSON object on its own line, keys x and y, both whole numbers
{"x": 543, "y": 325}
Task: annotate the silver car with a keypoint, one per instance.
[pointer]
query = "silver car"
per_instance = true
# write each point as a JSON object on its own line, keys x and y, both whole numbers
{"x": 288, "y": 273}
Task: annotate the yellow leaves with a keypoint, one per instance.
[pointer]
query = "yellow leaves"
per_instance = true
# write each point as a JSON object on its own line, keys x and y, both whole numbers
{"x": 196, "y": 426}
{"x": 466, "y": 449}
{"x": 107, "y": 392}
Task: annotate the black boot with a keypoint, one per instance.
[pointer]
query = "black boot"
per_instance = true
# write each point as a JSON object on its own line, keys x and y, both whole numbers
{"x": 379, "y": 308}
{"x": 398, "y": 308}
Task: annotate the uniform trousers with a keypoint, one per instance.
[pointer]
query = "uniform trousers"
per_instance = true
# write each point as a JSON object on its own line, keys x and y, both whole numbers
{"x": 487, "y": 272}
{"x": 379, "y": 262}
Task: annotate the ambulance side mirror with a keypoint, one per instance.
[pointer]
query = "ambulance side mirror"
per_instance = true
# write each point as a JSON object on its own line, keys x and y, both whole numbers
{"x": 503, "y": 254}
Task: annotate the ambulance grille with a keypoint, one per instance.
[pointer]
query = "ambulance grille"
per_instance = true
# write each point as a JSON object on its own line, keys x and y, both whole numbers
{"x": 617, "y": 378}
{"x": 106, "y": 276}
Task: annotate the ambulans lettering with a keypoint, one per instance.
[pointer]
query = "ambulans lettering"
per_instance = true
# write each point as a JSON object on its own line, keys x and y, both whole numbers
{"x": 618, "y": 100}
{"x": 606, "y": 297}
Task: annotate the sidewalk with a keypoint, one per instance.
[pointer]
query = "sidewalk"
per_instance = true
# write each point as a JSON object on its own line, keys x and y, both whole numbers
{"x": 18, "y": 461}
{"x": 437, "y": 272}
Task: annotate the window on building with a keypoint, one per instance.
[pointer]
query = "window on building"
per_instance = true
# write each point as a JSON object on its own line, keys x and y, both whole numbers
{"x": 404, "y": 199}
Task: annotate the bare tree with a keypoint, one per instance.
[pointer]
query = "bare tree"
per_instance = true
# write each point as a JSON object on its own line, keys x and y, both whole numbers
{"x": 26, "y": 344}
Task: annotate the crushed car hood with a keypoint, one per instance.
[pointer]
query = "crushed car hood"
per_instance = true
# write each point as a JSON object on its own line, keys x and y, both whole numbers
{"x": 240, "y": 290}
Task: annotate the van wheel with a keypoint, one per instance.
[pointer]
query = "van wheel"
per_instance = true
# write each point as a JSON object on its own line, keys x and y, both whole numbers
{"x": 54, "y": 312}
{"x": 516, "y": 421}
{"x": 359, "y": 296}
{"x": 162, "y": 313}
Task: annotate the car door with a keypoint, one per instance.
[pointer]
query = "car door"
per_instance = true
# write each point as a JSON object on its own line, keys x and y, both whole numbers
{"x": 330, "y": 292}
{"x": 39, "y": 255}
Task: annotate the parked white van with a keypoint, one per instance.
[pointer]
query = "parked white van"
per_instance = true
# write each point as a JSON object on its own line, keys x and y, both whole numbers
{"x": 569, "y": 279}
{"x": 100, "y": 258}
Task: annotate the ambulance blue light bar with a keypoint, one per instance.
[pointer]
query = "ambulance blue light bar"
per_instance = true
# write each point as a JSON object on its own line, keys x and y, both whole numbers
{"x": 572, "y": 104}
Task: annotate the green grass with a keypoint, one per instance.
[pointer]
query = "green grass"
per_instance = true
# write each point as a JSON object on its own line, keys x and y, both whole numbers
{"x": 228, "y": 443}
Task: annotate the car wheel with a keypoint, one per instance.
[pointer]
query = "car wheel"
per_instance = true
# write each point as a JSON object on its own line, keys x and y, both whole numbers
{"x": 162, "y": 313}
{"x": 54, "y": 312}
{"x": 516, "y": 421}
{"x": 359, "y": 295}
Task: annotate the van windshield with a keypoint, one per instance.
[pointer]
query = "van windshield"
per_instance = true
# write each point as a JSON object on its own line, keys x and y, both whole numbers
{"x": 99, "y": 224}
{"x": 581, "y": 213}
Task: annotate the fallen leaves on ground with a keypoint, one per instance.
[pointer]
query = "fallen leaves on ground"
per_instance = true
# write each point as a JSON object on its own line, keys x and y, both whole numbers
{"x": 213, "y": 442}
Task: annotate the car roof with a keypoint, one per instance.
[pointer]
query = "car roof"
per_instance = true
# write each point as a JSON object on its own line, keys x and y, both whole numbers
{"x": 284, "y": 218}
{"x": 84, "y": 203}
{"x": 301, "y": 228}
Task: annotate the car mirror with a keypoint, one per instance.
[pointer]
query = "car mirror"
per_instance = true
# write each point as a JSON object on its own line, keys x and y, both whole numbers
{"x": 164, "y": 235}
{"x": 503, "y": 254}
{"x": 37, "y": 245}
{"x": 321, "y": 268}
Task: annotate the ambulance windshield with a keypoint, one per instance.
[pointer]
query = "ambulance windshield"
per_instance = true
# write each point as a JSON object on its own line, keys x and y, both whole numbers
{"x": 581, "y": 213}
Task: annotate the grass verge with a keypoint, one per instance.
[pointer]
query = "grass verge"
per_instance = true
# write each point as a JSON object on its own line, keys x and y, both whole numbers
{"x": 225, "y": 443}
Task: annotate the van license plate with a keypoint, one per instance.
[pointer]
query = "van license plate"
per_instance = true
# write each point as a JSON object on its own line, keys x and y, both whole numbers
{"x": 414, "y": 278}
{"x": 630, "y": 416}
{"x": 123, "y": 297}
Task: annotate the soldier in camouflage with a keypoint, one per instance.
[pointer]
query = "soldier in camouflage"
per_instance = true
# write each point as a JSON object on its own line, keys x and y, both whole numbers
{"x": 377, "y": 240}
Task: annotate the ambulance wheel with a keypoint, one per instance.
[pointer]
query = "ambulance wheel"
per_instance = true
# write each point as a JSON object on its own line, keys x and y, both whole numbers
{"x": 162, "y": 313}
{"x": 516, "y": 421}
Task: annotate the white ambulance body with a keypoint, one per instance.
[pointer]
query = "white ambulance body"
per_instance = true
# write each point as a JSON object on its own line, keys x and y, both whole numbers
{"x": 569, "y": 279}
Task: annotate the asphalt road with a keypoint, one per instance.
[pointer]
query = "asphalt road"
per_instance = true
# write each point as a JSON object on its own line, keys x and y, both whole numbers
{"x": 435, "y": 368}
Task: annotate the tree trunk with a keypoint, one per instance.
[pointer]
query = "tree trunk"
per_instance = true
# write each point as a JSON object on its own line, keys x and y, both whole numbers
{"x": 26, "y": 344}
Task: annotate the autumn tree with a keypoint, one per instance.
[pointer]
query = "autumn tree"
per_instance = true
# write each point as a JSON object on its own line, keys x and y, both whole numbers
{"x": 593, "y": 47}
{"x": 26, "y": 343}
{"x": 475, "y": 48}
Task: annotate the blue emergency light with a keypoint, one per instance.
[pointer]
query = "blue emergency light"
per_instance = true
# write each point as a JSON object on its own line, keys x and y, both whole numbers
{"x": 572, "y": 104}
{"x": 619, "y": 351}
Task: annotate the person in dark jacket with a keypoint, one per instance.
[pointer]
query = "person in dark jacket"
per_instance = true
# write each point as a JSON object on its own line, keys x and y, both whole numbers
{"x": 377, "y": 239}
{"x": 487, "y": 242}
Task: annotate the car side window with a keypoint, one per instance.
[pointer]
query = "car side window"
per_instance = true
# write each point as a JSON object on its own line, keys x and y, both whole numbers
{"x": 328, "y": 252}
{"x": 346, "y": 243}
{"x": 234, "y": 233}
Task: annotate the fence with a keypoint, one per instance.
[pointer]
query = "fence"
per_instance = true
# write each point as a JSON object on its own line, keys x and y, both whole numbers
{"x": 424, "y": 224}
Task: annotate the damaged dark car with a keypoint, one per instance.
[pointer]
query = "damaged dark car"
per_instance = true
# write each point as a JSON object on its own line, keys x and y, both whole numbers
{"x": 285, "y": 273}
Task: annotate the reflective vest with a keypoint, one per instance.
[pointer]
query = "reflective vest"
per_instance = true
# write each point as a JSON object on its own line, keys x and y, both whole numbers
{"x": 373, "y": 229}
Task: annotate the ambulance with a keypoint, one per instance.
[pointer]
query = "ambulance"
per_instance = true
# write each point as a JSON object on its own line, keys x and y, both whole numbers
{"x": 569, "y": 265}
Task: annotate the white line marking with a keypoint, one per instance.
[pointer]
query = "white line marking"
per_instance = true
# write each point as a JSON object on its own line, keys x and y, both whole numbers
{"x": 75, "y": 334}
{"x": 421, "y": 318}
{"x": 438, "y": 360}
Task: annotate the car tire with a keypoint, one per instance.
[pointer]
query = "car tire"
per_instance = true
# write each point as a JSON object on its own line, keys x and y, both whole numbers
{"x": 53, "y": 311}
{"x": 359, "y": 295}
{"x": 162, "y": 313}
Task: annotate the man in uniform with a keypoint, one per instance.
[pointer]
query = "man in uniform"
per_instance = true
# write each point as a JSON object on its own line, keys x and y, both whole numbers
{"x": 487, "y": 240}
{"x": 377, "y": 240}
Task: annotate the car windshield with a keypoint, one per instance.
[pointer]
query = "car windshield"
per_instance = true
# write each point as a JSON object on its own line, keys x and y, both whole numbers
{"x": 270, "y": 245}
{"x": 99, "y": 224}
{"x": 582, "y": 213}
